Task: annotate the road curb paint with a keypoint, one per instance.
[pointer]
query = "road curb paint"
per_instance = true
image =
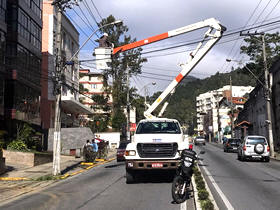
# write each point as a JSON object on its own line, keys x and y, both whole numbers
{"x": 14, "y": 179}
{"x": 91, "y": 165}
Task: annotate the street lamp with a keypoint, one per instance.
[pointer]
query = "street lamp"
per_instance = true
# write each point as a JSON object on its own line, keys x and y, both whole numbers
{"x": 103, "y": 26}
{"x": 268, "y": 101}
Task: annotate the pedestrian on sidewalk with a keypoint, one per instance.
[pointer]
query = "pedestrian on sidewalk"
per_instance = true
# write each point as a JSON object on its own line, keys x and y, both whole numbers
{"x": 88, "y": 151}
{"x": 94, "y": 149}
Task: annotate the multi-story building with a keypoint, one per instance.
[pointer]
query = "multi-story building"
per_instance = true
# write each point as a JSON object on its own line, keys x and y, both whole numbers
{"x": 252, "y": 120}
{"x": 94, "y": 84}
{"x": 275, "y": 73}
{"x": 3, "y": 32}
{"x": 211, "y": 116}
{"x": 22, "y": 89}
{"x": 71, "y": 108}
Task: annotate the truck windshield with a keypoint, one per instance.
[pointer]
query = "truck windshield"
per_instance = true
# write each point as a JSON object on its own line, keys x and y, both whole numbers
{"x": 158, "y": 127}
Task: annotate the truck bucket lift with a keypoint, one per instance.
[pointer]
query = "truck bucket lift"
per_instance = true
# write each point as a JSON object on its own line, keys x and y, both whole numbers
{"x": 212, "y": 35}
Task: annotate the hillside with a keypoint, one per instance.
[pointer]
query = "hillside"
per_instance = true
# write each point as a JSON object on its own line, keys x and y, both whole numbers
{"x": 182, "y": 105}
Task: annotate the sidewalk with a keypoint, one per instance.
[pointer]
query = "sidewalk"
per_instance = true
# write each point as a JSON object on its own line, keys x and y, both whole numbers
{"x": 19, "y": 180}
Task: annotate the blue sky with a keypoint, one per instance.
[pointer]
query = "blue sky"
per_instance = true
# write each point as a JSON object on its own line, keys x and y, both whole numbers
{"x": 146, "y": 18}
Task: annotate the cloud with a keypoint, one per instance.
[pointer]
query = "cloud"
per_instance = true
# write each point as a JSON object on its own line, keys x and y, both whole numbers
{"x": 146, "y": 18}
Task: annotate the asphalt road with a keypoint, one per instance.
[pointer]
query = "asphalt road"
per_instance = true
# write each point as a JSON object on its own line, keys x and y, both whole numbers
{"x": 250, "y": 185}
{"x": 103, "y": 188}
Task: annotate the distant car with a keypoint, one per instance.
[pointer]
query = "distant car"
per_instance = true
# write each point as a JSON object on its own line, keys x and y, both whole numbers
{"x": 254, "y": 147}
{"x": 121, "y": 151}
{"x": 199, "y": 140}
{"x": 231, "y": 144}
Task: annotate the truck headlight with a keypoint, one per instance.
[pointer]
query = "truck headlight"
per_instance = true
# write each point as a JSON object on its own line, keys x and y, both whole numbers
{"x": 130, "y": 153}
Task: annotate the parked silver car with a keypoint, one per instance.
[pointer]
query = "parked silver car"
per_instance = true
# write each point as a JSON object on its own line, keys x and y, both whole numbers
{"x": 199, "y": 140}
{"x": 253, "y": 147}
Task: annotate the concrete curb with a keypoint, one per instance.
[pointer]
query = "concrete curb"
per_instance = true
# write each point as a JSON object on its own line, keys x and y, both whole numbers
{"x": 90, "y": 165}
{"x": 196, "y": 200}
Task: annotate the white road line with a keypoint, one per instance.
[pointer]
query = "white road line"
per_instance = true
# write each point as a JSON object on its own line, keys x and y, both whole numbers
{"x": 183, "y": 206}
{"x": 222, "y": 195}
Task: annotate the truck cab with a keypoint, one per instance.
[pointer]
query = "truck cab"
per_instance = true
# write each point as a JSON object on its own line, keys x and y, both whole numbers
{"x": 155, "y": 145}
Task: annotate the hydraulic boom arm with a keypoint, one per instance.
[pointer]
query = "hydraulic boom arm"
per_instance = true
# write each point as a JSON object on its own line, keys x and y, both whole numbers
{"x": 212, "y": 35}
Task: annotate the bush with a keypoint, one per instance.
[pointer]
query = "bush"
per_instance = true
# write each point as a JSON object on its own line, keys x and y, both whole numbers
{"x": 18, "y": 145}
{"x": 200, "y": 184}
{"x": 196, "y": 171}
{"x": 198, "y": 178}
{"x": 203, "y": 194}
{"x": 207, "y": 205}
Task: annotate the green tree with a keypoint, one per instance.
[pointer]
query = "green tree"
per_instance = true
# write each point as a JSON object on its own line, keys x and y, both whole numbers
{"x": 130, "y": 59}
{"x": 255, "y": 52}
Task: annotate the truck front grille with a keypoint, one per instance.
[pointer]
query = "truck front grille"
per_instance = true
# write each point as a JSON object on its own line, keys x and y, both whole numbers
{"x": 157, "y": 150}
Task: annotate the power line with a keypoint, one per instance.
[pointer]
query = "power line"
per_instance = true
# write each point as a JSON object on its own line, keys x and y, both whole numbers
{"x": 262, "y": 12}
{"x": 96, "y": 9}
{"x": 271, "y": 10}
{"x": 242, "y": 29}
{"x": 80, "y": 28}
{"x": 89, "y": 23}
{"x": 90, "y": 12}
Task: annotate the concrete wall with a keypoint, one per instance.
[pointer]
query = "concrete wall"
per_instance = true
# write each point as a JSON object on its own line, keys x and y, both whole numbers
{"x": 71, "y": 138}
{"x": 26, "y": 158}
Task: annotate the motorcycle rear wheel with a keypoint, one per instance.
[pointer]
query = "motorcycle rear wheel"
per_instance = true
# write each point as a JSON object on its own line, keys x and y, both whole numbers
{"x": 177, "y": 185}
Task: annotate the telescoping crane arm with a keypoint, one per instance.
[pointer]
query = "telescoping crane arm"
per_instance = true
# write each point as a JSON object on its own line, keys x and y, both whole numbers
{"x": 212, "y": 35}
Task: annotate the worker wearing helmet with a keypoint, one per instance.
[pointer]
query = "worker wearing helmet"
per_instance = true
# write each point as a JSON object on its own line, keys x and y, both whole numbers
{"x": 103, "y": 41}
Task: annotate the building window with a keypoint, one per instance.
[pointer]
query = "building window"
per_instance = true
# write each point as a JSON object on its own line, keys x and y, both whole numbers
{"x": 36, "y": 6}
{"x": 3, "y": 10}
{"x": 93, "y": 86}
{"x": 29, "y": 30}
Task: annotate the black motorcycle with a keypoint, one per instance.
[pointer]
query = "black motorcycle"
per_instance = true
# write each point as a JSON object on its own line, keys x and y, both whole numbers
{"x": 183, "y": 176}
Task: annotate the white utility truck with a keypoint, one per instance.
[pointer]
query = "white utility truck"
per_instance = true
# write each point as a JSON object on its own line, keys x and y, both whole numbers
{"x": 157, "y": 142}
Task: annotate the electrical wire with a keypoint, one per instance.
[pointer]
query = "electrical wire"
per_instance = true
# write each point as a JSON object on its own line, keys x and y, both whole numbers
{"x": 96, "y": 9}
{"x": 80, "y": 29}
{"x": 242, "y": 29}
{"x": 90, "y": 12}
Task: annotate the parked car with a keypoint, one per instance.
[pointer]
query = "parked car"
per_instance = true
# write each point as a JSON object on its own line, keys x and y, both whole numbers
{"x": 199, "y": 140}
{"x": 231, "y": 144}
{"x": 253, "y": 147}
{"x": 121, "y": 150}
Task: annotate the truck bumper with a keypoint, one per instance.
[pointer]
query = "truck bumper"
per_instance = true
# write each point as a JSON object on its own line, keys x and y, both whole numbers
{"x": 151, "y": 164}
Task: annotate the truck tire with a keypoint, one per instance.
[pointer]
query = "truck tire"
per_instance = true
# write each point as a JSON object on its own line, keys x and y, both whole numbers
{"x": 130, "y": 177}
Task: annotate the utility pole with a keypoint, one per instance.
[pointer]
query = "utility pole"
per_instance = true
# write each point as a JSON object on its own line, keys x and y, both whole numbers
{"x": 231, "y": 107}
{"x": 57, "y": 122}
{"x": 267, "y": 92}
{"x": 268, "y": 99}
{"x": 127, "y": 106}
{"x": 61, "y": 5}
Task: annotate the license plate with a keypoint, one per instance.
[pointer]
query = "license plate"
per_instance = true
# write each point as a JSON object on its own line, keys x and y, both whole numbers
{"x": 157, "y": 165}
{"x": 256, "y": 156}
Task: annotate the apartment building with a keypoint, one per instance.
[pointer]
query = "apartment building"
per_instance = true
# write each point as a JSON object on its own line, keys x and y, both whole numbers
{"x": 71, "y": 108}
{"x": 3, "y": 32}
{"x": 22, "y": 89}
{"x": 212, "y": 115}
{"x": 94, "y": 84}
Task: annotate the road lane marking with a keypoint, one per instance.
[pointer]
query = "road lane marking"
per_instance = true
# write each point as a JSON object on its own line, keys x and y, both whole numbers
{"x": 183, "y": 206}
{"x": 222, "y": 195}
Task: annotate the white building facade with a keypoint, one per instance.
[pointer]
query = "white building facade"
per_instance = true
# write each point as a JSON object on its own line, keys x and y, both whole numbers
{"x": 209, "y": 103}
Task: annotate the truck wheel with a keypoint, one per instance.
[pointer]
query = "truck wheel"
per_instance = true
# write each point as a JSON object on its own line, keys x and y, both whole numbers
{"x": 130, "y": 177}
